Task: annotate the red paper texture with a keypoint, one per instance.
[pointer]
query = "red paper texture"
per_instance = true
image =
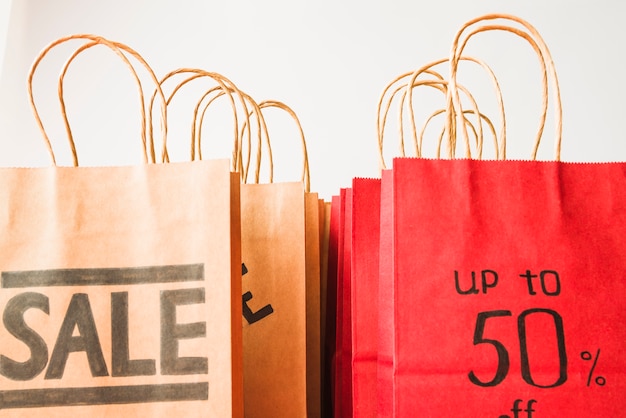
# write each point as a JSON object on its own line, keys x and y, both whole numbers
{"x": 564, "y": 223}
{"x": 385, "y": 357}
{"x": 365, "y": 235}
{"x": 325, "y": 208}
{"x": 346, "y": 307}
{"x": 331, "y": 365}
{"x": 342, "y": 400}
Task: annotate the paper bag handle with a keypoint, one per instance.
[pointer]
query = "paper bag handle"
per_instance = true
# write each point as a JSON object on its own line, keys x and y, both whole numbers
{"x": 306, "y": 177}
{"x": 499, "y": 145}
{"x": 226, "y": 86}
{"x": 468, "y": 122}
{"x": 115, "y": 47}
{"x": 198, "y": 124}
{"x": 439, "y": 83}
{"x": 442, "y": 86}
{"x": 545, "y": 58}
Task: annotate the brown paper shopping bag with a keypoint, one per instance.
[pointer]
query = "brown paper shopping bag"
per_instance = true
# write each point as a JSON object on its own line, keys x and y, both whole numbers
{"x": 275, "y": 286}
{"x": 281, "y": 250}
{"x": 280, "y": 264}
{"x": 120, "y": 290}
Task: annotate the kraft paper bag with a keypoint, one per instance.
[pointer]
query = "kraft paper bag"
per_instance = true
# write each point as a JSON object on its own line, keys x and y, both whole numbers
{"x": 120, "y": 286}
{"x": 280, "y": 247}
{"x": 314, "y": 238}
{"x": 281, "y": 224}
{"x": 280, "y": 243}
{"x": 120, "y": 291}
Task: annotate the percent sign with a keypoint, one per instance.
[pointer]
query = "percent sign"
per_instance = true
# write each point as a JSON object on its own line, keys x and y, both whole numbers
{"x": 587, "y": 356}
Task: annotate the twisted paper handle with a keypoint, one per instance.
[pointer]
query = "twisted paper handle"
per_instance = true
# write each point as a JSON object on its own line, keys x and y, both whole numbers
{"x": 120, "y": 49}
{"x": 242, "y": 164}
{"x": 532, "y": 36}
{"x": 224, "y": 87}
{"x": 306, "y": 177}
{"x": 465, "y": 122}
{"x": 405, "y": 84}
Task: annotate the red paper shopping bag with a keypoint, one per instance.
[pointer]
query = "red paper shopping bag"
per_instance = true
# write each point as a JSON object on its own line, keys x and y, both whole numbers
{"x": 324, "y": 208}
{"x": 510, "y": 299}
{"x": 356, "y": 222}
{"x": 345, "y": 319}
{"x": 338, "y": 319}
{"x": 330, "y": 378}
{"x": 386, "y": 290}
{"x": 364, "y": 260}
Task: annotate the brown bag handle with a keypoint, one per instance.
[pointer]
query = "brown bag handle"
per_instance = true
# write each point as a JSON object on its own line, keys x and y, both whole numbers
{"x": 439, "y": 83}
{"x": 532, "y": 36}
{"x": 499, "y": 145}
{"x": 198, "y": 124}
{"x": 442, "y": 86}
{"x": 228, "y": 88}
{"x": 468, "y": 122}
{"x": 306, "y": 176}
{"x": 119, "y": 49}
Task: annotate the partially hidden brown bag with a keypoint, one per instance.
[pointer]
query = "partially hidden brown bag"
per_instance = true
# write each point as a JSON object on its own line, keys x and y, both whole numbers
{"x": 121, "y": 292}
{"x": 280, "y": 243}
{"x": 281, "y": 303}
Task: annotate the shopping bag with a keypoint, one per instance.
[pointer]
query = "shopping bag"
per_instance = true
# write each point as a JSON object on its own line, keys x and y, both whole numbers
{"x": 331, "y": 378}
{"x": 281, "y": 270}
{"x": 376, "y": 243}
{"x": 338, "y": 319}
{"x": 280, "y": 243}
{"x": 500, "y": 309}
{"x": 365, "y": 241}
{"x": 274, "y": 298}
{"x": 314, "y": 236}
{"x": 344, "y": 313}
{"x": 386, "y": 299}
{"x": 325, "y": 309}
{"x": 507, "y": 302}
{"x": 471, "y": 121}
{"x": 357, "y": 219}
{"x": 145, "y": 284}
{"x": 120, "y": 290}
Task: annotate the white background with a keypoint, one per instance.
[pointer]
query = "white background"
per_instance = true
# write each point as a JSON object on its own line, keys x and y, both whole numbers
{"x": 329, "y": 60}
